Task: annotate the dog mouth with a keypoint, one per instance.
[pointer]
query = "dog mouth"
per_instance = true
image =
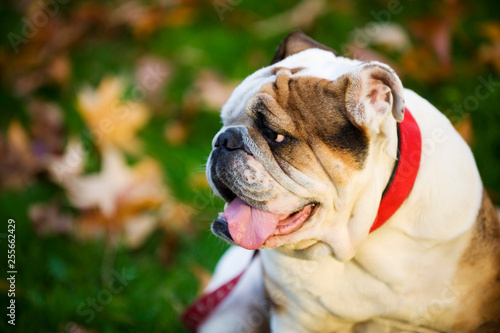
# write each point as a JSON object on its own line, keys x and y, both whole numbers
{"x": 250, "y": 227}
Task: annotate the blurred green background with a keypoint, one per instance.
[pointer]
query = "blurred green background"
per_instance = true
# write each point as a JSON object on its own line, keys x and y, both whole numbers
{"x": 108, "y": 109}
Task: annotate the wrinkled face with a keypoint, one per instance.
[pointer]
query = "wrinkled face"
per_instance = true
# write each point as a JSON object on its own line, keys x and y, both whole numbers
{"x": 291, "y": 146}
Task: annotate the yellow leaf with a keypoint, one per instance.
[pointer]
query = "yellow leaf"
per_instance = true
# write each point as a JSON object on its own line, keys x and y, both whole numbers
{"x": 111, "y": 120}
{"x": 202, "y": 275}
{"x": 464, "y": 127}
{"x": 138, "y": 228}
{"x": 118, "y": 200}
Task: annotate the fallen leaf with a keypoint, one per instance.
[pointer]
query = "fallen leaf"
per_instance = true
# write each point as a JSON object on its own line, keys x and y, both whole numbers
{"x": 436, "y": 33}
{"x": 47, "y": 219}
{"x": 213, "y": 89}
{"x": 176, "y": 217}
{"x": 433, "y": 47}
{"x": 70, "y": 164}
{"x": 202, "y": 275}
{"x": 119, "y": 200}
{"x": 465, "y": 129}
{"x": 198, "y": 180}
{"x": 303, "y": 15}
{"x": 112, "y": 120}
{"x": 146, "y": 19}
{"x": 152, "y": 74}
{"x": 59, "y": 69}
{"x": 176, "y": 133}
{"x": 138, "y": 228}
{"x": 391, "y": 37}
{"x": 166, "y": 251}
{"x": 489, "y": 52}
{"x": 47, "y": 130}
{"x": 18, "y": 163}
{"x": 101, "y": 190}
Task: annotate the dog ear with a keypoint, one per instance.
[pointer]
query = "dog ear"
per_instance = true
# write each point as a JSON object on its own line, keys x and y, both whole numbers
{"x": 372, "y": 90}
{"x": 296, "y": 42}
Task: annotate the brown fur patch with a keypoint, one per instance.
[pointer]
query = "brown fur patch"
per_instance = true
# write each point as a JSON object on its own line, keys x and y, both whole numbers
{"x": 479, "y": 274}
{"x": 311, "y": 113}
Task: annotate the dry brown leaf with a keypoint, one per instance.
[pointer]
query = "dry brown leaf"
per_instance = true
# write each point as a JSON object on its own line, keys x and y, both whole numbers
{"x": 145, "y": 20}
{"x": 198, "y": 180}
{"x": 489, "y": 53}
{"x": 202, "y": 275}
{"x": 18, "y": 163}
{"x": 47, "y": 130}
{"x": 118, "y": 200}
{"x": 166, "y": 251}
{"x": 434, "y": 41}
{"x": 101, "y": 190}
{"x": 47, "y": 219}
{"x": 301, "y": 16}
{"x": 40, "y": 54}
{"x": 465, "y": 129}
{"x": 18, "y": 139}
{"x": 176, "y": 133}
{"x": 118, "y": 188}
{"x": 59, "y": 69}
{"x": 111, "y": 120}
{"x": 92, "y": 224}
{"x": 421, "y": 64}
{"x": 176, "y": 217}
{"x": 70, "y": 164}
{"x": 391, "y": 37}
{"x": 435, "y": 32}
{"x": 138, "y": 228}
{"x": 213, "y": 89}
{"x": 152, "y": 74}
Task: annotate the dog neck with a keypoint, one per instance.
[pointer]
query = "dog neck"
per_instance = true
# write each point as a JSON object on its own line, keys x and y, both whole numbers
{"x": 344, "y": 242}
{"x": 404, "y": 172}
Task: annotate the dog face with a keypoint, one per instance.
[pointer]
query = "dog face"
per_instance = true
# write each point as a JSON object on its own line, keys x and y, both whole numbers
{"x": 306, "y": 149}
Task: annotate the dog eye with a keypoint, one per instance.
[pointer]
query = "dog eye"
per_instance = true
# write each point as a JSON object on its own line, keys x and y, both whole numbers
{"x": 272, "y": 135}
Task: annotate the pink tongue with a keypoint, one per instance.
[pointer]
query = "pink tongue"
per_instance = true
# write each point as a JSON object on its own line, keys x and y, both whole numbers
{"x": 249, "y": 227}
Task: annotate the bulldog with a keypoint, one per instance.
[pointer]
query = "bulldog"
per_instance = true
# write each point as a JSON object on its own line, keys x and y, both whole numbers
{"x": 365, "y": 205}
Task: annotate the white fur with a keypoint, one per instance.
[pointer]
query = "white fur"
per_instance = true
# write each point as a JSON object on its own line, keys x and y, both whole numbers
{"x": 403, "y": 271}
{"x": 235, "y": 315}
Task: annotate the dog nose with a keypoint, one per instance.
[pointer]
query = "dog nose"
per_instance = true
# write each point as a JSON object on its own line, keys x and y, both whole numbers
{"x": 231, "y": 139}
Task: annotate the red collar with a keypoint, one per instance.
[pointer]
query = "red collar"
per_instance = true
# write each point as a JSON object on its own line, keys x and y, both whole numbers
{"x": 405, "y": 171}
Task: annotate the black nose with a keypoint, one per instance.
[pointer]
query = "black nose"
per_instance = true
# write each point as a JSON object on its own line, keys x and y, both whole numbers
{"x": 231, "y": 139}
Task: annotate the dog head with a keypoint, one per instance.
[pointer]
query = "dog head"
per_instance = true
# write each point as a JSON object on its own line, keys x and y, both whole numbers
{"x": 306, "y": 149}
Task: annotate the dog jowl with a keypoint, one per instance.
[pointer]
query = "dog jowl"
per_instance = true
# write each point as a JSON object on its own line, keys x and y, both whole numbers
{"x": 359, "y": 229}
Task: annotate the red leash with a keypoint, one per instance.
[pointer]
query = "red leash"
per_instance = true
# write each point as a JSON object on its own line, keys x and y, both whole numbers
{"x": 399, "y": 188}
{"x": 197, "y": 312}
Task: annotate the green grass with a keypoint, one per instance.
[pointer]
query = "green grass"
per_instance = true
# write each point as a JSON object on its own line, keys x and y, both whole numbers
{"x": 60, "y": 276}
